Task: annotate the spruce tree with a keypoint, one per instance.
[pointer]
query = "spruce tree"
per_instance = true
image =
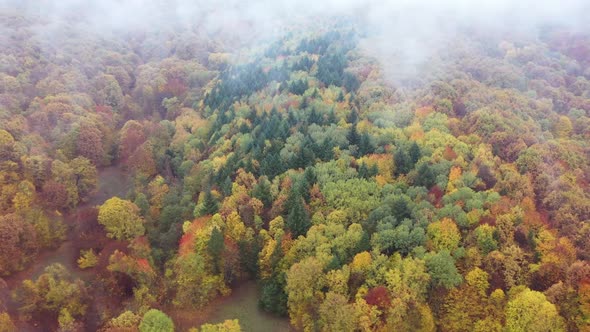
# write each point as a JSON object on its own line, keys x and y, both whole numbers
{"x": 414, "y": 152}
{"x": 298, "y": 220}
{"x": 402, "y": 162}
{"x": 209, "y": 203}
{"x": 215, "y": 247}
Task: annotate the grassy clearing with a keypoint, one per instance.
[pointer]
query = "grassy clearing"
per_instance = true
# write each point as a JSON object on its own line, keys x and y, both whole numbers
{"x": 242, "y": 304}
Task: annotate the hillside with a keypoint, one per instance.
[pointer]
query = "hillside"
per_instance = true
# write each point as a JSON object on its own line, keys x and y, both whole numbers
{"x": 347, "y": 181}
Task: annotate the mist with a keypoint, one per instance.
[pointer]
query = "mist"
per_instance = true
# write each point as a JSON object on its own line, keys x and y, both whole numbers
{"x": 403, "y": 35}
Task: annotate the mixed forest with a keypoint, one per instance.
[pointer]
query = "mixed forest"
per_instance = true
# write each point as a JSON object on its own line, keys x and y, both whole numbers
{"x": 456, "y": 200}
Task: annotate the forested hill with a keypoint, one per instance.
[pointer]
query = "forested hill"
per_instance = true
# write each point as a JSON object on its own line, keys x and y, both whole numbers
{"x": 453, "y": 199}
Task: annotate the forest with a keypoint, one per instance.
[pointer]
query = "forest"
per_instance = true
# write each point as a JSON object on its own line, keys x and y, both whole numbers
{"x": 146, "y": 176}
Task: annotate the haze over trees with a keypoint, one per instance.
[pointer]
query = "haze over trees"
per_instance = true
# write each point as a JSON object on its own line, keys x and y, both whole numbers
{"x": 147, "y": 170}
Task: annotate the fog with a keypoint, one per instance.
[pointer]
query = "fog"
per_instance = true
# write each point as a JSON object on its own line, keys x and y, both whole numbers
{"x": 402, "y": 33}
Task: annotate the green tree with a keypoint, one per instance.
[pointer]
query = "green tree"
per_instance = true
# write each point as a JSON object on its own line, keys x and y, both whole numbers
{"x": 215, "y": 247}
{"x": 414, "y": 152}
{"x": 442, "y": 269}
{"x": 53, "y": 291}
{"x": 298, "y": 220}
{"x": 402, "y": 162}
{"x": 425, "y": 176}
{"x": 121, "y": 219}
{"x": 156, "y": 321}
{"x": 210, "y": 206}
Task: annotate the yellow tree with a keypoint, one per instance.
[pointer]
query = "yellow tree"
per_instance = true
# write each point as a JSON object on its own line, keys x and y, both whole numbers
{"x": 443, "y": 234}
{"x": 531, "y": 311}
{"x": 121, "y": 219}
{"x": 305, "y": 281}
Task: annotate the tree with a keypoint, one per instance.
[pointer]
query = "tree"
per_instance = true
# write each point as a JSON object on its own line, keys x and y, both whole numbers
{"x": 195, "y": 285}
{"x": 530, "y": 311}
{"x": 443, "y": 234}
{"x": 210, "y": 206}
{"x": 563, "y": 127}
{"x": 262, "y": 191}
{"x": 305, "y": 281}
{"x": 414, "y": 152}
{"x": 353, "y": 136}
{"x": 6, "y": 145}
{"x": 298, "y": 220}
{"x": 336, "y": 314}
{"x": 6, "y": 324}
{"x": 215, "y": 247}
{"x": 87, "y": 259}
{"x": 227, "y": 326}
{"x": 126, "y": 320}
{"x": 402, "y": 162}
{"x": 484, "y": 235}
{"x": 89, "y": 144}
{"x": 85, "y": 175}
{"x": 442, "y": 269}
{"x": 156, "y": 321}
{"x": 425, "y": 176}
{"x": 18, "y": 243}
{"x": 54, "y": 195}
{"x": 53, "y": 291}
{"x": 121, "y": 219}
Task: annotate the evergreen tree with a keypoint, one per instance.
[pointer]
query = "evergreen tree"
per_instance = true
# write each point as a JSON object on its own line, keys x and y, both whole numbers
{"x": 209, "y": 203}
{"x": 315, "y": 93}
{"x": 374, "y": 170}
{"x": 364, "y": 243}
{"x": 262, "y": 191}
{"x": 332, "y": 117}
{"x": 414, "y": 152}
{"x": 363, "y": 171}
{"x": 298, "y": 220}
{"x": 402, "y": 162}
{"x": 340, "y": 97}
{"x": 215, "y": 247}
{"x": 353, "y": 136}
{"x": 365, "y": 144}
{"x": 315, "y": 117}
{"x": 425, "y": 176}
{"x": 352, "y": 117}
{"x": 310, "y": 176}
{"x": 400, "y": 209}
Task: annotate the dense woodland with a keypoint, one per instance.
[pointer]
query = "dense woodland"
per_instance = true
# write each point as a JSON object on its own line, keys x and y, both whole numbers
{"x": 456, "y": 200}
